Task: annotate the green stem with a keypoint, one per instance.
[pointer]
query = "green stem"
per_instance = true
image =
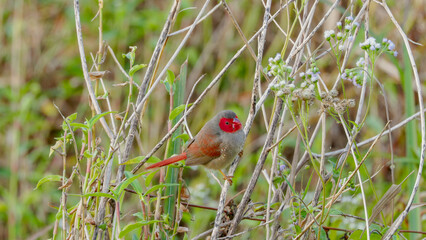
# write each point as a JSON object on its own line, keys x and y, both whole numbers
{"x": 175, "y": 148}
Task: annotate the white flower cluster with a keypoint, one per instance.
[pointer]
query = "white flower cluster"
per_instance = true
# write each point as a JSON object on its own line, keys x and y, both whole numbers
{"x": 329, "y": 34}
{"x": 343, "y": 36}
{"x": 284, "y": 84}
{"x": 354, "y": 76}
{"x": 372, "y": 45}
{"x": 277, "y": 67}
{"x": 361, "y": 62}
{"x": 282, "y": 88}
{"x": 312, "y": 75}
{"x": 390, "y": 46}
{"x": 349, "y": 24}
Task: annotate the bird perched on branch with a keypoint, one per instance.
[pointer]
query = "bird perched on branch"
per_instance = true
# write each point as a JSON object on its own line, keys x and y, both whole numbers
{"x": 215, "y": 146}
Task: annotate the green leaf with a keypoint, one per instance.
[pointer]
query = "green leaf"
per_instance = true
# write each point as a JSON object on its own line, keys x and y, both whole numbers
{"x": 169, "y": 81}
{"x": 78, "y": 125}
{"x": 48, "y": 178}
{"x": 138, "y": 159}
{"x": 57, "y": 145}
{"x": 153, "y": 159}
{"x": 135, "y": 160}
{"x": 183, "y": 136}
{"x": 119, "y": 189}
{"x": 165, "y": 218}
{"x": 136, "y": 68}
{"x": 355, "y": 124}
{"x": 335, "y": 212}
{"x": 139, "y": 215}
{"x": 148, "y": 179}
{"x": 170, "y": 77}
{"x": 323, "y": 234}
{"x": 291, "y": 187}
{"x": 59, "y": 213}
{"x": 132, "y": 226}
{"x": 96, "y": 118}
{"x": 87, "y": 154}
{"x": 166, "y": 85}
{"x": 69, "y": 119}
{"x": 298, "y": 229}
{"x": 307, "y": 186}
{"x": 106, "y": 94}
{"x": 178, "y": 110}
{"x": 135, "y": 184}
{"x": 356, "y": 235}
{"x": 130, "y": 55}
{"x": 103, "y": 226}
{"x": 100, "y": 194}
{"x": 127, "y": 55}
{"x": 278, "y": 180}
{"x": 375, "y": 236}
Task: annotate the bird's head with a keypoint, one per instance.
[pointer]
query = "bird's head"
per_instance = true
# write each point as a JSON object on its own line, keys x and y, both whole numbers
{"x": 229, "y": 122}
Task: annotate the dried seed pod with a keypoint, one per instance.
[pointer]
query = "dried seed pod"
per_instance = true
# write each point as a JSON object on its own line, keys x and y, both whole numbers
{"x": 333, "y": 93}
{"x": 351, "y": 103}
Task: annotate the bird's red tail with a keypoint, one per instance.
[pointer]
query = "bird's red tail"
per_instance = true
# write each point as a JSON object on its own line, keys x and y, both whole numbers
{"x": 168, "y": 161}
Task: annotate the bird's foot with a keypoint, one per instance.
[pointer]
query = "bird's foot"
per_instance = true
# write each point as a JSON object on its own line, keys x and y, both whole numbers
{"x": 227, "y": 178}
{"x": 240, "y": 154}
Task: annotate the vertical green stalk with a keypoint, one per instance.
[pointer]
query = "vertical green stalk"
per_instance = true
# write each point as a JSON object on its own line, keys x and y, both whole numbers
{"x": 410, "y": 140}
{"x": 175, "y": 146}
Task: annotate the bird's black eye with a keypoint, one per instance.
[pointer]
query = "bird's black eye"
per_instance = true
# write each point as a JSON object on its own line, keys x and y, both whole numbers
{"x": 227, "y": 123}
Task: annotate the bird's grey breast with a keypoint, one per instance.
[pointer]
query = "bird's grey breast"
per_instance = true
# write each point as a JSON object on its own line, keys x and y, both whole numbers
{"x": 232, "y": 144}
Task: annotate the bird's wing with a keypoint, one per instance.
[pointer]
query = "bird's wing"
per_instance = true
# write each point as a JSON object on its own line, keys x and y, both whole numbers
{"x": 203, "y": 149}
{"x": 188, "y": 144}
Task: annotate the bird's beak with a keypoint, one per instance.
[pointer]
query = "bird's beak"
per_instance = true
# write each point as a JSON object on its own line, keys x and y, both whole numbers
{"x": 236, "y": 124}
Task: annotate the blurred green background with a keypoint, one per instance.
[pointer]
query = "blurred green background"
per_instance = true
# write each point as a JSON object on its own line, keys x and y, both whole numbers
{"x": 40, "y": 66}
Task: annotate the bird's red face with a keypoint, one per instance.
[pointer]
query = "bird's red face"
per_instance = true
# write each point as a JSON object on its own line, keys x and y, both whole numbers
{"x": 230, "y": 125}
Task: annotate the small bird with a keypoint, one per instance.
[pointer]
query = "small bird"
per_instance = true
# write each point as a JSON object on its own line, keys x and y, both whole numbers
{"x": 215, "y": 146}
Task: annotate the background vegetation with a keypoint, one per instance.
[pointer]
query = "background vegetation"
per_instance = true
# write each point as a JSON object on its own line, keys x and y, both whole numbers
{"x": 41, "y": 67}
